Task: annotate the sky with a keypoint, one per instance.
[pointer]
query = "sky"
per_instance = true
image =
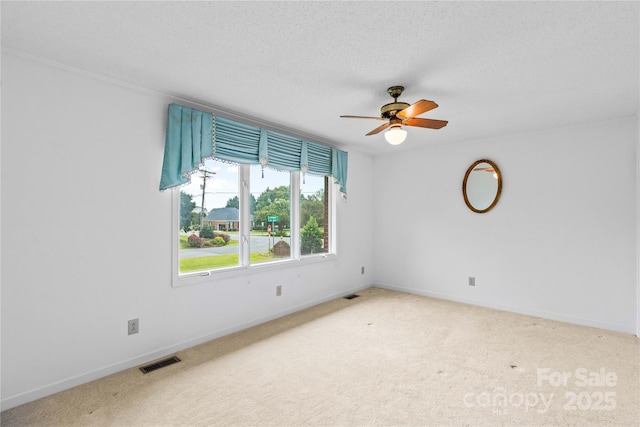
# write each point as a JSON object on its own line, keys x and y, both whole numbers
{"x": 224, "y": 184}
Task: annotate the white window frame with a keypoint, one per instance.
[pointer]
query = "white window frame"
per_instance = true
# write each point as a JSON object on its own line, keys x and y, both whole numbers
{"x": 244, "y": 267}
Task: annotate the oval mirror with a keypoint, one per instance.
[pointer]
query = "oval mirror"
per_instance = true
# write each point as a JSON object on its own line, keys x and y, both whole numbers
{"x": 482, "y": 186}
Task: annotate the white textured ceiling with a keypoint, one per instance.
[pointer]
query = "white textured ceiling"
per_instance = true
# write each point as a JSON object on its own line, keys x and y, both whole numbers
{"x": 495, "y": 68}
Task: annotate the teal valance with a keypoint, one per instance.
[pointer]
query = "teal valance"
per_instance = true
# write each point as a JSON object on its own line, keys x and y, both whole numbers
{"x": 188, "y": 143}
{"x": 339, "y": 169}
{"x": 193, "y": 136}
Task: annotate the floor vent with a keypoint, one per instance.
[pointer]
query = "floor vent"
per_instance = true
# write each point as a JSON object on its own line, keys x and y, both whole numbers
{"x": 160, "y": 364}
{"x": 352, "y": 296}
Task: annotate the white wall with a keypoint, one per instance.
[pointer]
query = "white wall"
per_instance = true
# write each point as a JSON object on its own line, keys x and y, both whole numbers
{"x": 561, "y": 243}
{"x": 86, "y": 238}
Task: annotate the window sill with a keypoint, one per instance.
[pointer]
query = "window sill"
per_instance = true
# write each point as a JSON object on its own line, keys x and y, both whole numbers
{"x": 211, "y": 277}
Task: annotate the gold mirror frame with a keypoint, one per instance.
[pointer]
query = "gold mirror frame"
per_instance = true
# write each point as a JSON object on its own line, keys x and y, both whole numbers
{"x": 498, "y": 191}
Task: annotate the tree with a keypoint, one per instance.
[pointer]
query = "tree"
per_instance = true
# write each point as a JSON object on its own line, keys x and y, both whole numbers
{"x": 252, "y": 204}
{"x": 186, "y": 207}
{"x": 273, "y": 202}
{"x": 234, "y": 202}
{"x": 269, "y": 196}
{"x": 311, "y": 237}
{"x": 312, "y": 206}
{"x": 206, "y": 232}
{"x": 195, "y": 218}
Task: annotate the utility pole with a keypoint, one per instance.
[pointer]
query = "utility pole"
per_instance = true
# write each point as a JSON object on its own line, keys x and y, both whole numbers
{"x": 205, "y": 176}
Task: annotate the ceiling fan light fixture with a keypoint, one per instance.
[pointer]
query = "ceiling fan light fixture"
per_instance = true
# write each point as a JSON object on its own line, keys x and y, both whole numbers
{"x": 395, "y": 135}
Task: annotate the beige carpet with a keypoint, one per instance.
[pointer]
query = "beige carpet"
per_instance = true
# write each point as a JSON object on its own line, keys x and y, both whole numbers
{"x": 385, "y": 358}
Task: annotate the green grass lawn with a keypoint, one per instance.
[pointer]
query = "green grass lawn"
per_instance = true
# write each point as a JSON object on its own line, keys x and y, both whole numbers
{"x": 217, "y": 261}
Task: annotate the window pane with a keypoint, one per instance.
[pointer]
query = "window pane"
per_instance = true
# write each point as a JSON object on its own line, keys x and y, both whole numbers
{"x": 314, "y": 233}
{"x": 209, "y": 219}
{"x": 270, "y": 215}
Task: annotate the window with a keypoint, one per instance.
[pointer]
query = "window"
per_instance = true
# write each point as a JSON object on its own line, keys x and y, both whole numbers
{"x": 229, "y": 217}
{"x": 271, "y": 215}
{"x": 210, "y": 219}
{"x": 314, "y": 215}
{"x": 224, "y": 225}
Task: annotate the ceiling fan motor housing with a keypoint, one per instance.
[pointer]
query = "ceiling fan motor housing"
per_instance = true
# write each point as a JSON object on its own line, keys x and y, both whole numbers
{"x": 390, "y": 110}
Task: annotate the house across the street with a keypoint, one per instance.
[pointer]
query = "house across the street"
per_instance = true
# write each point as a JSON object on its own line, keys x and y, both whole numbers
{"x": 224, "y": 219}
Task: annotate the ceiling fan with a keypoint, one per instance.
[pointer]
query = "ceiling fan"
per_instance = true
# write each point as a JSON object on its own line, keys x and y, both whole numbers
{"x": 401, "y": 113}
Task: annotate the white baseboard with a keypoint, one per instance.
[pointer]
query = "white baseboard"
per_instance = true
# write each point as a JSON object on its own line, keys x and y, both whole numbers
{"x": 67, "y": 383}
{"x": 519, "y": 310}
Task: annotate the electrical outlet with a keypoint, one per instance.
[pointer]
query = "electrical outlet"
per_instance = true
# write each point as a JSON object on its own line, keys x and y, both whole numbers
{"x": 278, "y": 290}
{"x": 362, "y": 270}
{"x": 133, "y": 326}
{"x": 472, "y": 281}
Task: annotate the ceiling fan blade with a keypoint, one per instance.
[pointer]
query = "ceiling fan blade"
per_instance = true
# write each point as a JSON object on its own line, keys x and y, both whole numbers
{"x": 425, "y": 123}
{"x": 379, "y": 129}
{"x": 362, "y": 117}
{"x": 416, "y": 109}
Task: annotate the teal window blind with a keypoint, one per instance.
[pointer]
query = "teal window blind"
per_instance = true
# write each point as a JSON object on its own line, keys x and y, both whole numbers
{"x": 235, "y": 142}
{"x": 319, "y": 159}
